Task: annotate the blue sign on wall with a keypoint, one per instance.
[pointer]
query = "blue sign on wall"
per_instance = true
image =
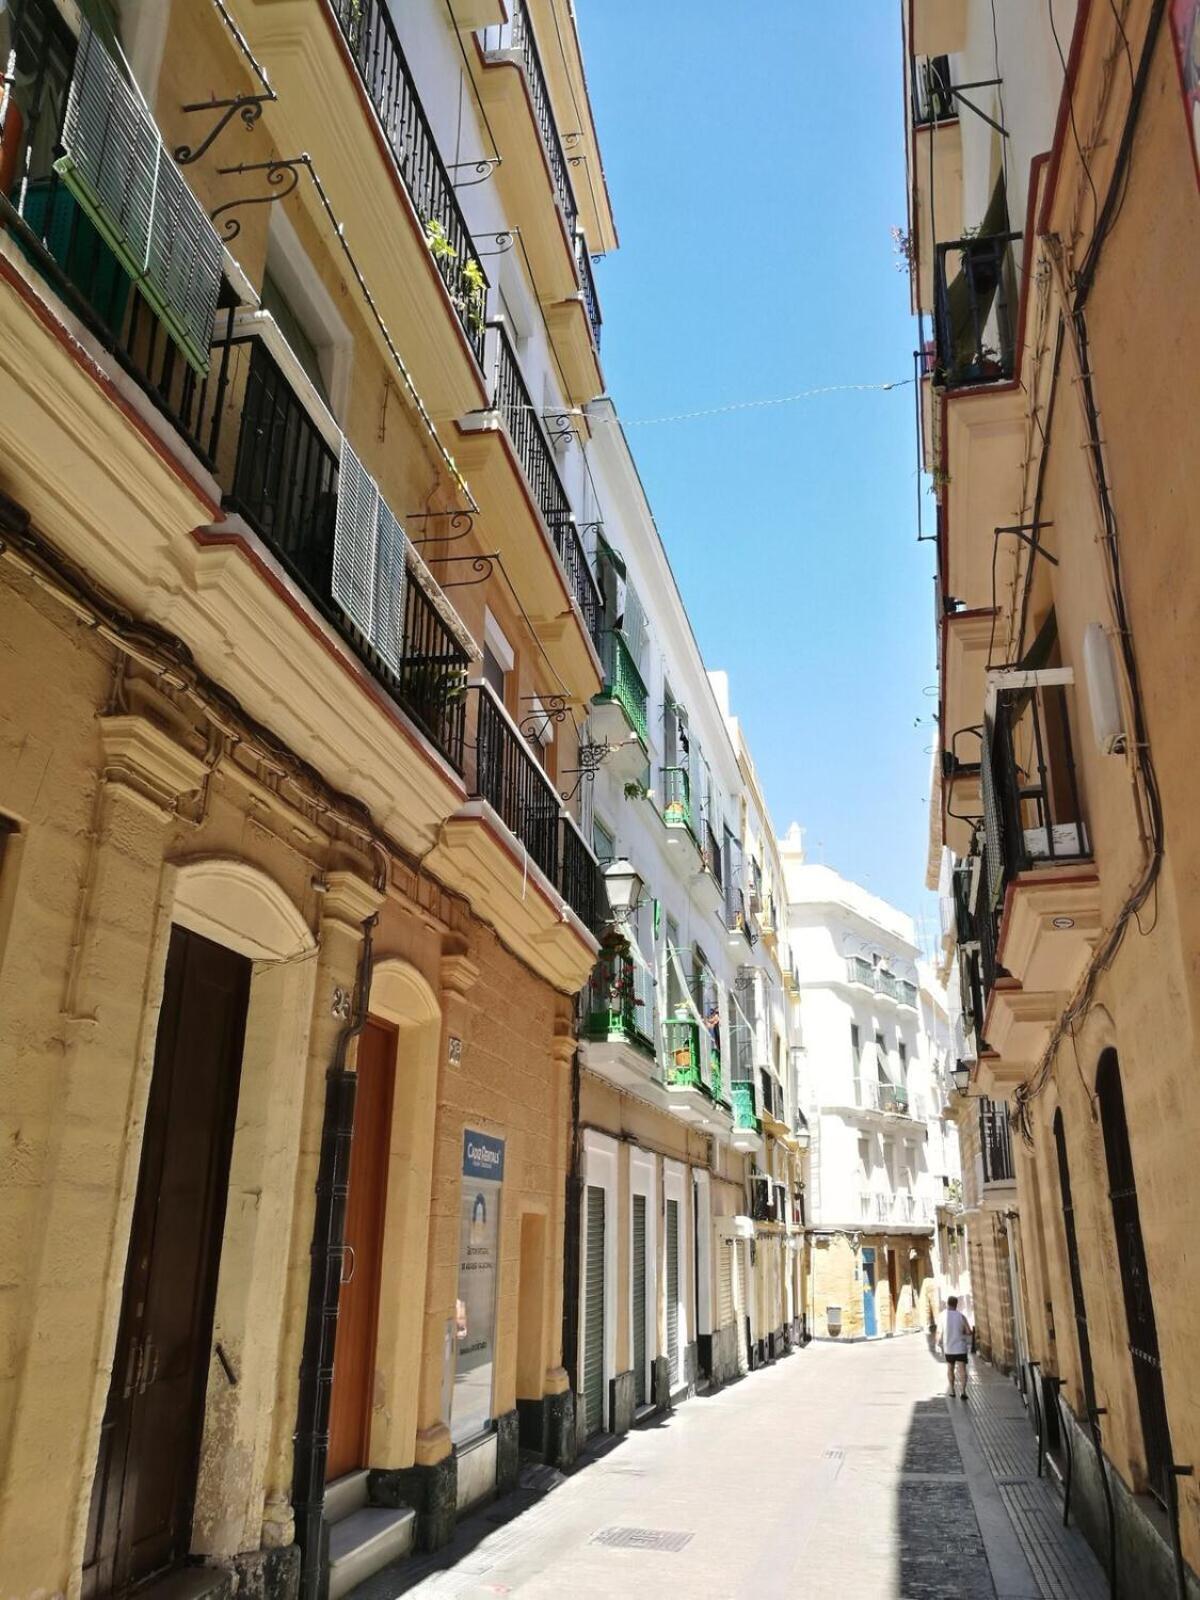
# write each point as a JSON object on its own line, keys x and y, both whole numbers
{"x": 483, "y": 1157}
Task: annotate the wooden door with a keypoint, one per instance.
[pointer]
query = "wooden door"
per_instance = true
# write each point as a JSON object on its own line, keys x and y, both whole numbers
{"x": 141, "y": 1514}
{"x": 366, "y": 1204}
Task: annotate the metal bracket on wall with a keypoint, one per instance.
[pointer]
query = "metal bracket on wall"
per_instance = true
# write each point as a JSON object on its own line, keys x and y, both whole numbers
{"x": 483, "y": 565}
{"x": 1027, "y": 533}
{"x": 278, "y": 173}
{"x": 591, "y": 758}
{"x": 956, "y": 89}
{"x": 547, "y": 709}
{"x": 483, "y": 169}
{"x": 503, "y": 241}
{"x": 461, "y": 522}
{"x": 248, "y": 106}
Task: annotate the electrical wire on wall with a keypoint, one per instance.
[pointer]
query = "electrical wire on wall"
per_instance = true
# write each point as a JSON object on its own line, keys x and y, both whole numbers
{"x": 1077, "y": 298}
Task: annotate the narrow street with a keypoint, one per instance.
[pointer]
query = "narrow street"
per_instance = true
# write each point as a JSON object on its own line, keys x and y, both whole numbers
{"x": 840, "y": 1471}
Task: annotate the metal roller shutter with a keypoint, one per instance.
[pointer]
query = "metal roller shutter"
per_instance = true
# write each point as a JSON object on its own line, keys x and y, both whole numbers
{"x": 593, "y": 1320}
{"x": 725, "y": 1311}
{"x": 639, "y": 1299}
{"x": 743, "y": 1251}
{"x": 673, "y": 1289}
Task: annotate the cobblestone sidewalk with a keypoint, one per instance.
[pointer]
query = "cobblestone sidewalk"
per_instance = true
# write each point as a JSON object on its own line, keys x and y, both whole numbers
{"x": 840, "y": 1471}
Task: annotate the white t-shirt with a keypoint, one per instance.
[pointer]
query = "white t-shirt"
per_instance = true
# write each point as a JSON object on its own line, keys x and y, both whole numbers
{"x": 956, "y": 1333}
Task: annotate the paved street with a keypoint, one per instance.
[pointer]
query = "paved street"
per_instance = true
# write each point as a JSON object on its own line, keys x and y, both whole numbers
{"x": 840, "y": 1471}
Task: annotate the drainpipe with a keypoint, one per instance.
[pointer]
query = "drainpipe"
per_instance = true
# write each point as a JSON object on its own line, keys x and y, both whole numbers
{"x": 311, "y": 1445}
{"x": 570, "y": 1333}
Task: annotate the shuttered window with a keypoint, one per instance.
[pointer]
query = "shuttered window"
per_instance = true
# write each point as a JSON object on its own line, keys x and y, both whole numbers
{"x": 744, "y": 1274}
{"x": 639, "y": 1299}
{"x": 117, "y": 168}
{"x": 593, "y": 1320}
{"x": 370, "y": 560}
{"x": 673, "y": 1290}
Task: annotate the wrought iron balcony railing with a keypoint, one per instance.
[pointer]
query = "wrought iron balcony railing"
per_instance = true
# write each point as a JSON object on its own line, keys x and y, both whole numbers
{"x": 615, "y": 1004}
{"x": 505, "y": 772}
{"x": 711, "y": 852}
{"x": 932, "y": 100}
{"x": 677, "y": 798}
{"x": 737, "y": 918}
{"x": 587, "y": 282}
{"x": 97, "y": 205}
{"x": 871, "y": 976}
{"x": 286, "y": 481}
{"x": 995, "y": 1142}
{"x": 518, "y": 35}
{"x": 522, "y": 419}
{"x": 623, "y": 682}
{"x": 371, "y": 37}
{"x": 745, "y": 1113}
{"x": 974, "y": 304}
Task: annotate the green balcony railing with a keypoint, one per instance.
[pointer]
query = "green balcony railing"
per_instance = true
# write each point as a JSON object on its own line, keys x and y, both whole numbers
{"x": 859, "y": 970}
{"x": 677, "y": 799}
{"x": 744, "y": 1115}
{"x": 614, "y": 1006}
{"x": 623, "y": 682}
{"x": 683, "y": 1053}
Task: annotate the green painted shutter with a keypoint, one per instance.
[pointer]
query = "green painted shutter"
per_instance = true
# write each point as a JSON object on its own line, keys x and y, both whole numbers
{"x": 593, "y": 1316}
{"x": 116, "y": 166}
{"x": 673, "y": 1290}
{"x": 639, "y": 1299}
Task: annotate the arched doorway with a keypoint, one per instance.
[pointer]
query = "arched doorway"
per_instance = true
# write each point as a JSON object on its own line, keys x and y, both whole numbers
{"x": 1135, "y": 1277}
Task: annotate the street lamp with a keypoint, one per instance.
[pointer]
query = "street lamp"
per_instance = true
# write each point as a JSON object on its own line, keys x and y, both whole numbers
{"x": 623, "y": 885}
{"x": 962, "y": 1076}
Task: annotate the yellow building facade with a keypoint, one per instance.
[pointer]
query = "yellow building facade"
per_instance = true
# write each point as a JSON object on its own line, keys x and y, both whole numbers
{"x": 1054, "y": 264}
{"x": 297, "y": 621}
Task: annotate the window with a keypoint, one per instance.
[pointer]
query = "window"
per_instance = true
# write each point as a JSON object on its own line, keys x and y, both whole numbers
{"x": 864, "y": 1155}
{"x": 881, "y": 1055}
{"x": 674, "y": 989}
{"x": 903, "y": 1049}
{"x": 602, "y": 842}
{"x": 856, "y": 1062}
{"x": 302, "y": 346}
{"x": 498, "y": 657}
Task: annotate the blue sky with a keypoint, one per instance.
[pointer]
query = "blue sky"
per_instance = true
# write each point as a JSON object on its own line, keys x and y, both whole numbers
{"x": 754, "y": 153}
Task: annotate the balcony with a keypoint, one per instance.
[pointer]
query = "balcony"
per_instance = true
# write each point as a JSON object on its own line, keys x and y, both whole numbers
{"x": 1031, "y": 907}
{"x": 534, "y": 175}
{"x": 511, "y": 463}
{"x": 975, "y": 300}
{"x": 98, "y": 207}
{"x": 587, "y": 283}
{"x": 709, "y": 881}
{"x": 373, "y": 43}
{"x": 695, "y": 1082}
{"x": 505, "y": 773}
{"x": 347, "y": 95}
{"x": 617, "y": 1020}
{"x": 995, "y": 1143}
{"x": 871, "y": 976}
{"x": 932, "y": 101}
{"x": 677, "y": 803}
{"x": 619, "y": 712}
{"x": 737, "y": 917}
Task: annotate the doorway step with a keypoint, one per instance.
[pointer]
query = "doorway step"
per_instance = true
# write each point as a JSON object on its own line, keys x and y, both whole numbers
{"x": 362, "y": 1538}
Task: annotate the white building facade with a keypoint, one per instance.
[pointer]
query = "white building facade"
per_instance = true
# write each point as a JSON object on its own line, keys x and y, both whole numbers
{"x": 874, "y": 1036}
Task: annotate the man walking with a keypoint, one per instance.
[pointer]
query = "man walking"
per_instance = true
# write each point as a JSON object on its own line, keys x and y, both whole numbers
{"x": 954, "y": 1340}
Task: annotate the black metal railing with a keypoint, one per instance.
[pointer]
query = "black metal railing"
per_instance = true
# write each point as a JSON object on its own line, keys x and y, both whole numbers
{"x": 737, "y": 919}
{"x": 995, "y": 1142}
{"x": 582, "y": 882}
{"x": 976, "y": 916}
{"x": 521, "y": 418}
{"x": 433, "y": 674}
{"x": 587, "y": 282}
{"x": 932, "y": 100}
{"x": 710, "y": 850}
{"x": 59, "y": 239}
{"x": 580, "y": 577}
{"x": 522, "y": 39}
{"x": 371, "y": 36}
{"x": 508, "y": 776}
{"x": 974, "y": 306}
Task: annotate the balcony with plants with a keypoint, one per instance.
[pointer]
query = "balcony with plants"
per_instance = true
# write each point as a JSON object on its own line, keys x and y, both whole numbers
{"x": 619, "y": 715}
{"x": 975, "y": 307}
{"x": 617, "y": 1018}
{"x": 508, "y": 454}
{"x": 117, "y": 234}
{"x": 535, "y": 182}
{"x": 744, "y": 1096}
{"x": 678, "y": 817}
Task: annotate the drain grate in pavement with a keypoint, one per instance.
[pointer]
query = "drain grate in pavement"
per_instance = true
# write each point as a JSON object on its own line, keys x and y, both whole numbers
{"x": 641, "y": 1539}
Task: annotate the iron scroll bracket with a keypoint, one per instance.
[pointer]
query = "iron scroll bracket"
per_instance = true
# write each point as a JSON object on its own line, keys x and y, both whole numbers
{"x": 482, "y": 565}
{"x": 461, "y": 523}
{"x": 503, "y": 239}
{"x": 249, "y": 107}
{"x": 483, "y": 169}
{"x": 282, "y": 176}
{"x": 591, "y": 758}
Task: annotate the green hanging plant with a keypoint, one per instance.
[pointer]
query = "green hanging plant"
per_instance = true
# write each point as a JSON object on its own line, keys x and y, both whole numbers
{"x": 438, "y": 240}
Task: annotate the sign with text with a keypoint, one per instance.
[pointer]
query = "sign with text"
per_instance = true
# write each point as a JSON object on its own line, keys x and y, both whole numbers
{"x": 478, "y": 1265}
